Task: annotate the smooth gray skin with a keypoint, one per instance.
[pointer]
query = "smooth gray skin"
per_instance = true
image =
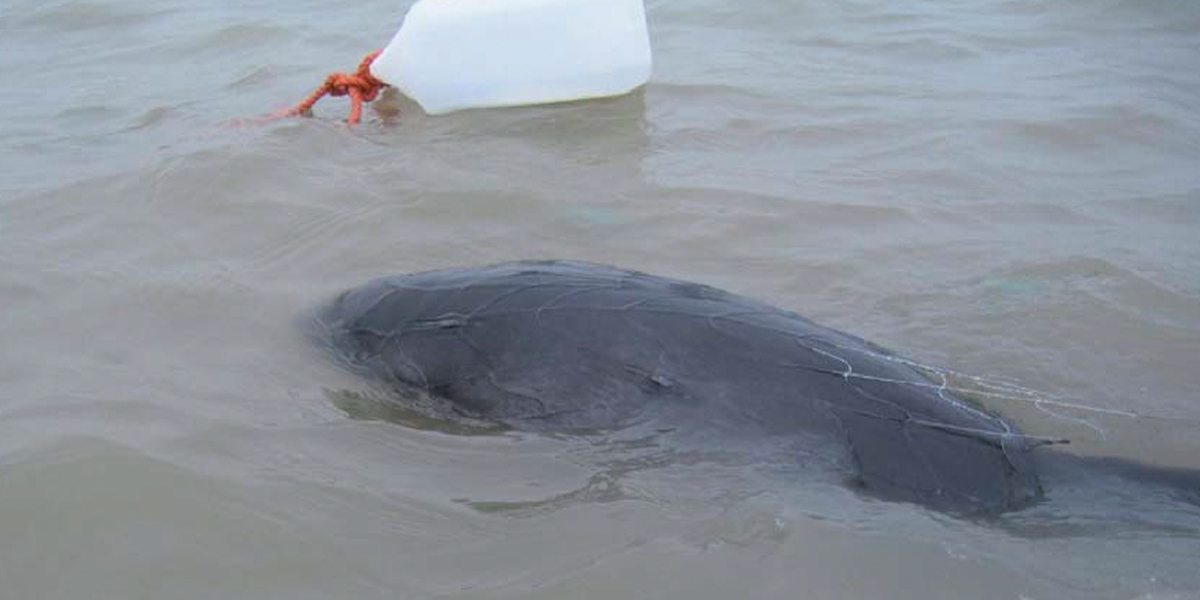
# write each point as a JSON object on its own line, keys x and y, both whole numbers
{"x": 575, "y": 346}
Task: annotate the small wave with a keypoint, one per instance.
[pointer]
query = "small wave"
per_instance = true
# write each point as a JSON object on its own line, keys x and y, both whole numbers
{"x": 242, "y": 36}
{"x": 89, "y": 16}
{"x": 1094, "y": 130}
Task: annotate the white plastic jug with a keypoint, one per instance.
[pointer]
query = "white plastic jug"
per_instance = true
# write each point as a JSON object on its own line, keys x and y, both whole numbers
{"x": 455, "y": 54}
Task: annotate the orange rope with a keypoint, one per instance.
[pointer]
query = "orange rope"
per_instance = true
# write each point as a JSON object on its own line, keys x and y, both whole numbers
{"x": 361, "y": 86}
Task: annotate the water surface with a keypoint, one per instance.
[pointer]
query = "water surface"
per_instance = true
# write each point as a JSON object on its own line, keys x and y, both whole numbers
{"x": 1006, "y": 188}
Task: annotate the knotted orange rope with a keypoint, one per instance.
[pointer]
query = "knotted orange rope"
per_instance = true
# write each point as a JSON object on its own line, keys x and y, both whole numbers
{"x": 361, "y": 86}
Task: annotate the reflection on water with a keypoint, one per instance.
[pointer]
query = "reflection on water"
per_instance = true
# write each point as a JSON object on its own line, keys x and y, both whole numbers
{"x": 376, "y": 407}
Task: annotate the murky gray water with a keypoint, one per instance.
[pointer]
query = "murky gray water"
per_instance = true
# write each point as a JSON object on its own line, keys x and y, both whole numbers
{"x": 1008, "y": 188}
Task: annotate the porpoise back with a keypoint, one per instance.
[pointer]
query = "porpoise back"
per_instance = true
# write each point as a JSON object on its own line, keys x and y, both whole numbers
{"x": 555, "y": 346}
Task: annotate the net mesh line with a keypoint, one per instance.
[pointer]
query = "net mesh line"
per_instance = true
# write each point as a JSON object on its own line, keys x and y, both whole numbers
{"x": 978, "y": 386}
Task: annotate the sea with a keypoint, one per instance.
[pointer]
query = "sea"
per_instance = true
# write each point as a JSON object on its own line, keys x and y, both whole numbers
{"x": 1005, "y": 190}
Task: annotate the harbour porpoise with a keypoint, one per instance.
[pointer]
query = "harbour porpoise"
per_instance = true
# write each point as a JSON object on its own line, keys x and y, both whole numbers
{"x": 570, "y": 346}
